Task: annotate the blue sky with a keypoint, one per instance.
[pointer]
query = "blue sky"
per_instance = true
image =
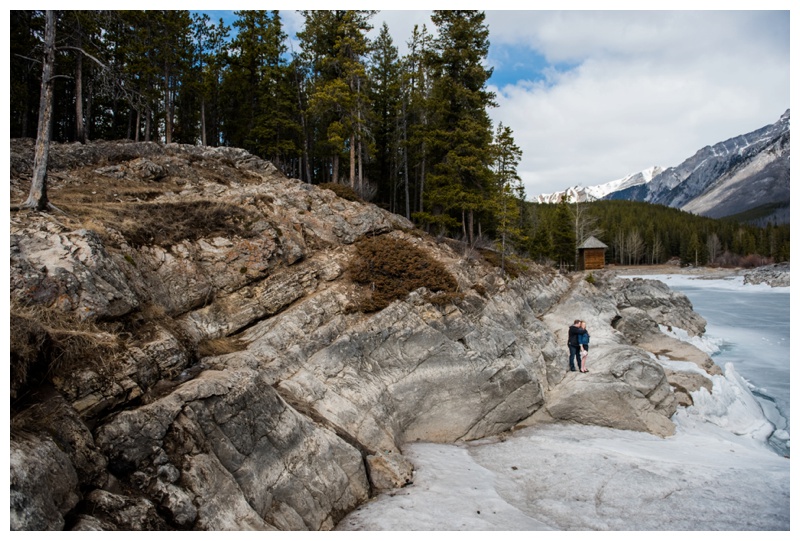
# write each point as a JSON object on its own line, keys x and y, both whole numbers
{"x": 593, "y": 96}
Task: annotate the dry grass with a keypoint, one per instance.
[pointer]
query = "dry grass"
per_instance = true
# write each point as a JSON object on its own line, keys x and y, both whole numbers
{"x": 514, "y": 267}
{"x": 342, "y": 190}
{"x": 166, "y": 223}
{"x": 392, "y": 268}
{"x": 46, "y": 342}
{"x": 220, "y": 346}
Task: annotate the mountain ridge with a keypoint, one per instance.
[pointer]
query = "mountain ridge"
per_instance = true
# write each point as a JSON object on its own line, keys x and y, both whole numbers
{"x": 730, "y": 177}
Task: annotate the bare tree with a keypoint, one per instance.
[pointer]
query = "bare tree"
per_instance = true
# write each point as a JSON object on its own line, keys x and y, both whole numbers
{"x": 585, "y": 223}
{"x": 655, "y": 250}
{"x": 636, "y": 246}
{"x": 620, "y": 246}
{"x": 37, "y": 197}
{"x": 713, "y": 245}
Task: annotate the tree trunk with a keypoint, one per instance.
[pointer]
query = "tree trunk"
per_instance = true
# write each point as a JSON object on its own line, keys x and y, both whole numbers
{"x": 335, "y": 172}
{"x": 167, "y": 106}
{"x": 353, "y": 160}
{"x": 80, "y": 129}
{"x": 37, "y": 198}
{"x": 87, "y": 135}
{"x": 422, "y": 181}
{"x": 471, "y": 215}
{"x": 405, "y": 162}
{"x": 203, "y": 138}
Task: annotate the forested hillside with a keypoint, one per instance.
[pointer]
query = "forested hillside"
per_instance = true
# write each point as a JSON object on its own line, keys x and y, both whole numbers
{"x": 409, "y": 133}
{"x": 643, "y": 233}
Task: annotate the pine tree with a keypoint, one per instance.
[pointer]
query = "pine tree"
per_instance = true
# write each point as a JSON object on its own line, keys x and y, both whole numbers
{"x": 211, "y": 44}
{"x": 415, "y": 117}
{"x": 461, "y": 177}
{"x": 509, "y": 189}
{"x": 563, "y": 234}
{"x": 384, "y": 94}
{"x": 25, "y": 71}
{"x": 335, "y": 46}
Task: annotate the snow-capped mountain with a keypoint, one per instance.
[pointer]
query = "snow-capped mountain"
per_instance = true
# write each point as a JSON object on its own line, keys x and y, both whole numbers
{"x": 713, "y": 167}
{"x": 734, "y": 176}
{"x": 593, "y": 193}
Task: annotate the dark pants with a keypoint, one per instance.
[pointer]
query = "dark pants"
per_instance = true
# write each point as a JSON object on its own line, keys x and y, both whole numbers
{"x": 574, "y": 352}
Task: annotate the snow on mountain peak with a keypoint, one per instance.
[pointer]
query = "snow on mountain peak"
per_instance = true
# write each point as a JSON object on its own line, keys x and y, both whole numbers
{"x": 593, "y": 193}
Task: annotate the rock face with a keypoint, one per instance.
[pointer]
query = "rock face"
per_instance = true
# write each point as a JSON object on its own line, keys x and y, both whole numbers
{"x": 772, "y": 275}
{"x": 248, "y": 394}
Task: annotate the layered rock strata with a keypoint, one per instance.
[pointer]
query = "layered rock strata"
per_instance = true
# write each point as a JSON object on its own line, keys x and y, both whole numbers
{"x": 307, "y": 416}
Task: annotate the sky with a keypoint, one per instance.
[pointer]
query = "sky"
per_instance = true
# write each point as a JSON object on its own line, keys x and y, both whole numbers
{"x": 592, "y": 96}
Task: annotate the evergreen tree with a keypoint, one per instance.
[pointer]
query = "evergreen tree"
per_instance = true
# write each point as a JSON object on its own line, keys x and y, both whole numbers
{"x": 509, "y": 189}
{"x": 335, "y": 45}
{"x": 414, "y": 119}
{"x": 563, "y": 234}
{"x": 384, "y": 94}
{"x": 25, "y": 71}
{"x": 461, "y": 178}
{"x": 211, "y": 45}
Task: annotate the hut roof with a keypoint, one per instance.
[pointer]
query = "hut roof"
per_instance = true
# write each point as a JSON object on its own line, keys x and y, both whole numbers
{"x": 592, "y": 242}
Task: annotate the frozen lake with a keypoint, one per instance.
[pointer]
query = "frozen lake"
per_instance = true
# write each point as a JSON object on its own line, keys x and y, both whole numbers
{"x": 748, "y": 326}
{"x": 723, "y": 470}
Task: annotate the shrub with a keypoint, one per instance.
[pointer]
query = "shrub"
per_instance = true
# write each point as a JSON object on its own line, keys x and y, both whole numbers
{"x": 47, "y": 343}
{"x": 219, "y": 346}
{"x": 512, "y": 265}
{"x": 392, "y": 268}
{"x": 342, "y": 190}
{"x": 166, "y": 224}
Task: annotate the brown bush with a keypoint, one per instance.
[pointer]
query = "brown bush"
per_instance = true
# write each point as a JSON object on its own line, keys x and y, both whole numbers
{"x": 342, "y": 190}
{"x": 166, "y": 224}
{"x": 392, "y": 268}
{"x": 46, "y": 342}
{"x": 219, "y": 346}
{"x": 512, "y": 266}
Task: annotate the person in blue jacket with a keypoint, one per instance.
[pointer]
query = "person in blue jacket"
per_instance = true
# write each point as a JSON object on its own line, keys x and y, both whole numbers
{"x": 575, "y": 330}
{"x": 583, "y": 340}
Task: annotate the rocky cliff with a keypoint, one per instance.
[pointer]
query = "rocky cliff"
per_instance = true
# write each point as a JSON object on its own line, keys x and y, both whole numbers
{"x": 191, "y": 350}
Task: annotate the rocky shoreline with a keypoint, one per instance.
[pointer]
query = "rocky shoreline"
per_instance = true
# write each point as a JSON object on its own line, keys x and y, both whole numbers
{"x": 775, "y": 275}
{"x": 245, "y": 391}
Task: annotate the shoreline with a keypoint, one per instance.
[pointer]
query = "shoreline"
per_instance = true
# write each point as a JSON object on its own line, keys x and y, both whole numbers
{"x": 775, "y": 275}
{"x": 675, "y": 269}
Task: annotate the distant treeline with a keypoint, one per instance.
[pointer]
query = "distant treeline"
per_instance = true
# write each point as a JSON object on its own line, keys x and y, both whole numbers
{"x": 641, "y": 233}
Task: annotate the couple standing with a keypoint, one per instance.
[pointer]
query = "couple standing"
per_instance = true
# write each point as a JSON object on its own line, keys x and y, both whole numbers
{"x": 578, "y": 336}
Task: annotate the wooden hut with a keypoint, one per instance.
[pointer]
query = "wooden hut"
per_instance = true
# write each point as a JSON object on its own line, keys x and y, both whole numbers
{"x": 591, "y": 254}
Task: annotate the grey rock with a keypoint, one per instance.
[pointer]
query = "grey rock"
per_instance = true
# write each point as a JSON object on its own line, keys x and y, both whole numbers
{"x": 666, "y": 307}
{"x": 389, "y": 470}
{"x": 44, "y": 484}
{"x": 129, "y": 513}
{"x": 249, "y": 460}
{"x": 292, "y": 428}
{"x": 772, "y": 275}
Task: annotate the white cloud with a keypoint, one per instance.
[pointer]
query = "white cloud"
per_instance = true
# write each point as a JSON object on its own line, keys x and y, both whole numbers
{"x": 648, "y": 88}
{"x": 641, "y": 88}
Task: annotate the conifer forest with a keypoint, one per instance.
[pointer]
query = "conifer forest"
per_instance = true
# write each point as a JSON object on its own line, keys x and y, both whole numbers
{"x": 411, "y": 133}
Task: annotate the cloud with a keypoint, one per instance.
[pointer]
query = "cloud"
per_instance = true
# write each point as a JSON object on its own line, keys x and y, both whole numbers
{"x": 639, "y": 89}
{"x": 592, "y": 96}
